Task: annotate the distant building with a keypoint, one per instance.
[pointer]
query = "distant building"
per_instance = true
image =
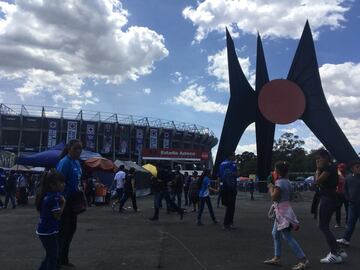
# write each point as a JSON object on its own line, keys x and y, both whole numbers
{"x": 29, "y": 129}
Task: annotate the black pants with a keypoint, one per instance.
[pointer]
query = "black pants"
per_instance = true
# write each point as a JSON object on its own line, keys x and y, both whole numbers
{"x": 23, "y": 196}
{"x": 178, "y": 197}
{"x": 164, "y": 195}
{"x": 68, "y": 224}
{"x": 229, "y": 199}
{"x": 206, "y": 200}
{"x": 51, "y": 246}
{"x": 10, "y": 195}
{"x": 186, "y": 196}
{"x": 126, "y": 196}
{"x": 341, "y": 201}
{"x": 252, "y": 194}
{"x": 326, "y": 210}
{"x": 90, "y": 197}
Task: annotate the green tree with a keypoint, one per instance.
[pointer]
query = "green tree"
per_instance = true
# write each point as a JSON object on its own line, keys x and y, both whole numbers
{"x": 289, "y": 147}
{"x": 247, "y": 163}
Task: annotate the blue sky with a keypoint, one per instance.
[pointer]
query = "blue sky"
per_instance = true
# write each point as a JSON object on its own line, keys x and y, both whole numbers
{"x": 166, "y": 59}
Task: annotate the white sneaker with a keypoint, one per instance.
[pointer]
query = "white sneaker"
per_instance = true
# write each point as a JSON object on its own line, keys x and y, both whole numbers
{"x": 343, "y": 242}
{"x": 332, "y": 258}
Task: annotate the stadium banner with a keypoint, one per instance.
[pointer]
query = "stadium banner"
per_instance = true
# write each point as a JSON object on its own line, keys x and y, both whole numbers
{"x": 139, "y": 140}
{"x": 107, "y": 141}
{"x": 153, "y": 138}
{"x": 124, "y": 140}
{"x": 52, "y": 133}
{"x": 166, "y": 140}
{"x": 90, "y": 137}
{"x": 175, "y": 154}
{"x": 71, "y": 131}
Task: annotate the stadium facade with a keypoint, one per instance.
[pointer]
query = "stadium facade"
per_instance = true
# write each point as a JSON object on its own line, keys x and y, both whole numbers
{"x": 29, "y": 129}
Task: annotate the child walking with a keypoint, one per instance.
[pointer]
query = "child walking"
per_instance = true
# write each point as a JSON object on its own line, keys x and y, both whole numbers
{"x": 285, "y": 218}
{"x": 50, "y": 203}
{"x": 204, "y": 195}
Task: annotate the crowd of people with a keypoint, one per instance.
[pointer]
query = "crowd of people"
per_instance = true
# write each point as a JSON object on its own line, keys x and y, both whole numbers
{"x": 18, "y": 187}
{"x": 60, "y": 200}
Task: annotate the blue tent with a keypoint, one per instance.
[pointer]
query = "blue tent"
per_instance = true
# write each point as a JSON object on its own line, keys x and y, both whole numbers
{"x": 49, "y": 158}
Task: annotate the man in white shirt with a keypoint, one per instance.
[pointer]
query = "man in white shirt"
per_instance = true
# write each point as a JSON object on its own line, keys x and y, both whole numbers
{"x": 119, "y": 179}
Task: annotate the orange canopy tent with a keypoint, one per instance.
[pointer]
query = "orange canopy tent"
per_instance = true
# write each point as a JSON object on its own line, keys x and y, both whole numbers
{"x": 100, "y": 163}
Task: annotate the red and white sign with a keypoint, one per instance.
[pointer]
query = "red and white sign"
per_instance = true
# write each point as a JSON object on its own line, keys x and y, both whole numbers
{"x": 175, "y": 154}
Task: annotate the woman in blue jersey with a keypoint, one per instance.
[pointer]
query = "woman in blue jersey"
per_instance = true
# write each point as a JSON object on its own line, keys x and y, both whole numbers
{"x": 69, "y": 166}
{"x": 204, "y": 195}
{"x": 50, "y": 203}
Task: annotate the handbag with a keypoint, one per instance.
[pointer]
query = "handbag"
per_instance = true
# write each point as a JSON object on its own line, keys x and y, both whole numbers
{"x": 78, "y": 202}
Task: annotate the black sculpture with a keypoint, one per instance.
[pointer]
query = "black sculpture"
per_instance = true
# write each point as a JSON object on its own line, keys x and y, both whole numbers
{"x": 304, "y": 99}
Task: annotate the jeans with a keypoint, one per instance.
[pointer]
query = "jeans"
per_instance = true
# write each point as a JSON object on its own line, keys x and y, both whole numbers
{"x": 326, "y": 210}
{"x": 206, "y": 200}
{"x": 186, "y": 195}
{"x": 68, "y": 224}
{"x": 164, "y": 195}
{"x": 178, "y": 197}
{"x": 230, "y": 198}
{"x": 51, "y": 246}
{"x": 341, "y": 201}
{"x": 354, "y": 216}
{"x": 11, "y": 196}
{"x": 218, "y": 199}
{"x": 119, "y": 194}
{"x": 125, "y": 197}
{"x": 286, "y": 235}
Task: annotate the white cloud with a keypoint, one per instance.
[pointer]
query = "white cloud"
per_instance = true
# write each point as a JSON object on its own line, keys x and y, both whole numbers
{"x": 289, "y": 130}
{"x": 194, "y": 96}
{"x": 177, "y": 77}
{"x": 251, "y": 128}
{"x": 246, "y": 147}
{"x": 341, "y": 83}
{"x": 65, "y": 42}
{"x": 147, "y": 91}
{"x": 351, "y": 128}
{"x": 312, "y": 143}
{"x": 277, "y": 18}
{"x": 218, "y": 67}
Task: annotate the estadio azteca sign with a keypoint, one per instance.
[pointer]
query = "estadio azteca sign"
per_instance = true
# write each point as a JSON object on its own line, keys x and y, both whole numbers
{"x": 175, "y": 154}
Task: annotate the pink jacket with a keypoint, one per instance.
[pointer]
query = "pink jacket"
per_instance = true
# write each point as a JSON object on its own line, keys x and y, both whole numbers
{"x": 285, "y": 216}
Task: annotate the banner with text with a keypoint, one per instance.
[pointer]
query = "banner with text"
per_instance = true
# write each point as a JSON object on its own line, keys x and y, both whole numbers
{"x": 139, "y": 140}
{"x": 175, "y": 154}
{"x": 71, "y": 131}
{"x": 107, "y": 142}
{"x": 153, "y": 138}
{"x": 52, "y": 133}
{"x": 124, "y": 140}
{"x": 166, "y": 140}
{"x": 90, "y": 137}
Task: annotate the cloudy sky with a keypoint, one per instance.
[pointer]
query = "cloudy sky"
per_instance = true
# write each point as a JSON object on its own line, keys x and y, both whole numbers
{"x": 167, "y": 59}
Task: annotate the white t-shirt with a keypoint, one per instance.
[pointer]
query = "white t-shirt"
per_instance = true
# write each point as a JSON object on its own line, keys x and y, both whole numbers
{"x": 120, "y": 178}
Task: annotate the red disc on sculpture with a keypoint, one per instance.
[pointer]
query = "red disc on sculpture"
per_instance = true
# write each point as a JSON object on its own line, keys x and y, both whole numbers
{"x": 281, "y": 101}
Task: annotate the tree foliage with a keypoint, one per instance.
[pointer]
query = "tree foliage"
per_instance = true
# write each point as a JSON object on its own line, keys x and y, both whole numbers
{"x": 288, "y": 147}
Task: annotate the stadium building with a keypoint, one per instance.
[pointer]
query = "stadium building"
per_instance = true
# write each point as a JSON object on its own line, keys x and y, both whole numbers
{"x": 29, "y": 129}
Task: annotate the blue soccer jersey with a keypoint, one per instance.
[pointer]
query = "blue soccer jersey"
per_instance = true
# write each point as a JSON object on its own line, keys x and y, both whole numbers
{"x": 48, "y": 224}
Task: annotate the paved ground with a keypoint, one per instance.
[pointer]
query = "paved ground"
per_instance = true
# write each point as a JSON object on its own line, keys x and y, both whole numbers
{"x": 107, "y": 240}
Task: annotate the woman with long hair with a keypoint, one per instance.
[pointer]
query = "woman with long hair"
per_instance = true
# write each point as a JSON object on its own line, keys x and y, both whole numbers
{"x": 284, "y": 218}
{"x": 69, "y": 166}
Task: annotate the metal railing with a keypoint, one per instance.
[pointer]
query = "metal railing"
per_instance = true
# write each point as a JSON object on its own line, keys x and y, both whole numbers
{"x": 108, "y": 117}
